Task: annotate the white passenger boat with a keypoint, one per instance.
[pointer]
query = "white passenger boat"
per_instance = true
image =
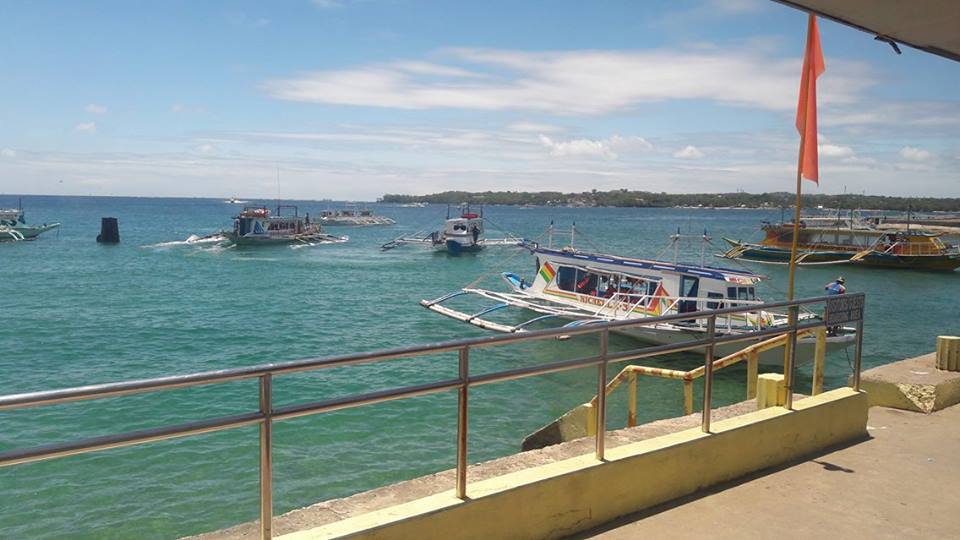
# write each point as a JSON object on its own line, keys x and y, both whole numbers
{"x": 13, "y": 226}
{"x": 257, "y": 226}
{"x": 353, "y": 216}
{"x": 586, "y": 288}
{"x": 460, "y": 234}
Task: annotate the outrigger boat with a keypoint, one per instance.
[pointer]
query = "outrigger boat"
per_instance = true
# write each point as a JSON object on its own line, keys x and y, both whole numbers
{"x": 353, "y": 217}
{"x": 841, "y": 241}
{"x": 463, "y": 234}
{"x": 256, "y": 226}
{"x": 586, "y": 288}
{"x": 13, "y": 227}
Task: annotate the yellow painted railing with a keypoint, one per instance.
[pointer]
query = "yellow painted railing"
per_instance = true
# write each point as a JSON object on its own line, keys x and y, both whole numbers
{"x": 749, "y": 354}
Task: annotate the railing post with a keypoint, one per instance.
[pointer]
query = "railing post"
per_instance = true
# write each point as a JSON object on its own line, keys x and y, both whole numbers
{"x": 687, "y": 396}
{"x": 266, "y": 457}
{"x": 632, "y": 400}
{"x": 708, "y": 375}
{"x": 788, "y": 372}
{"x": 602, "y": 394}
{"x": 753, "y": 361}
{"x": 857, "y": 357}
{"x": 819, "y": 358}
{"x": 462, "y": 423}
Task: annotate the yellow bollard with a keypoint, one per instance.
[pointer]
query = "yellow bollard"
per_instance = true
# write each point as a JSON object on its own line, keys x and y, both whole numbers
{"x": 688, "y": 396}
{"x": 948, "y": 353}
{"x": 591, "y": 419}
{"x": 819, "y": 357}
{"x": 771, "y": 390}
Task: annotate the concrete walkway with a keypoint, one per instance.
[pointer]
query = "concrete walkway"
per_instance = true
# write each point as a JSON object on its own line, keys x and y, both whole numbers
{"x": 901, "y": 483}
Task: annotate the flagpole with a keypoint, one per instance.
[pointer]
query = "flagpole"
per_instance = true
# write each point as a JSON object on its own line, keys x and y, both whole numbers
{"x": 792, "y": 313}
{"x": 796, "y": 223}
{"x": 808, "y": 80}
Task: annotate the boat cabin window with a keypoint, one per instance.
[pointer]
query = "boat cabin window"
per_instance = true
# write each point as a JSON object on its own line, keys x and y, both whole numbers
{"x": 566, "y": 278}
{"x": 741, "y": 293}
{"x": 633, "y": 290}
{"x": 581, "y": 281}
{"x": 587, "y": 282}
{"x": 715, "y": 304}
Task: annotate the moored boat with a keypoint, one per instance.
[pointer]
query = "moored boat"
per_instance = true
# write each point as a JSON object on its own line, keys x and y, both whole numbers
{"x": 585, "y": 287}
{"x": 849, "y": 241}
{"x": 353, "y": 217}
{"x": 460, "y": 234}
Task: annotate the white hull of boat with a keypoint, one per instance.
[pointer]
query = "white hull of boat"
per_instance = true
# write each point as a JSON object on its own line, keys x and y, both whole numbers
{"x": 772, "y": 357}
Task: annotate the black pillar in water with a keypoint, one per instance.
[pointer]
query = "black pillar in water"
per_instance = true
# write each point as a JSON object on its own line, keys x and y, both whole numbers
{"x": 109, "y": 231}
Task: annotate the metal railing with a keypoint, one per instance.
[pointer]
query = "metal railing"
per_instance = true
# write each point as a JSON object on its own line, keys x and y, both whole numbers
{"x": 267, "y": 413}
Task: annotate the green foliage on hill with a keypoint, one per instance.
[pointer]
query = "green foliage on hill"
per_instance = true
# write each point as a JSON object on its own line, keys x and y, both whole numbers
{"x": 627, "y": 198}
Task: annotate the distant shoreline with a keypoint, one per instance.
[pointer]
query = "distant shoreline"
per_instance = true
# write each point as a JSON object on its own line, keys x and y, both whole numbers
{"x": 623, "y": 198}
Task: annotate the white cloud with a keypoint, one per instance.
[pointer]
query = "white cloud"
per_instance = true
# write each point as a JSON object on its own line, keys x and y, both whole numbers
{"x": 919, "y": 114}
{"x": 93, "y": 108}
{"x": 914, "y": 154}
{"x": 534, "y": 127}
{"x": 688, "y": 152}
{"x": 587, "y": 82}
{"x": 834, "y": 150}
{"x": 8, "y": 153}
{"x": 87, "y": 127}
{"x": 206, "y": 148}
{"x": 604, "y": 148}
{"x": 577, "y": 148}
{"x": 631, "y": 142}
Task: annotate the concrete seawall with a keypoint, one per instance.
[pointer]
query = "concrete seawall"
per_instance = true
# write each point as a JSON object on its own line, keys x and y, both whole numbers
{"x": 560, "y": 497}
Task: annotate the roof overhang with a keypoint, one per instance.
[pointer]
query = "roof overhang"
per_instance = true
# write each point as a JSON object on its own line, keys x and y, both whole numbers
{"x": 929, "y": 25}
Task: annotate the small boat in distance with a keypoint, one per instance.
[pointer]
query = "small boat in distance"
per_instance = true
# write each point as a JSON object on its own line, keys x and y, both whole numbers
{"x": 584, "y": 288}
{"x": 256, "y": 226}
{"x": 234, "y": 200}
{"x": 353, "y": 216}
{"x": 13, "y": 226}
{"x": 848, "y": 241}
{"x": 419, "y": 204}
{"x": 460, "y": 234}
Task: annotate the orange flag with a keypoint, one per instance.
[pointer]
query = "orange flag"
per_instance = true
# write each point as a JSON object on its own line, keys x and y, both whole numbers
{"x": 807, "y": 104}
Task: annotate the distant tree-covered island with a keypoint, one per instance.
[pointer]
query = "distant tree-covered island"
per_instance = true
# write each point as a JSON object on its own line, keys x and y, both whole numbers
{"x": 648, "y": 199}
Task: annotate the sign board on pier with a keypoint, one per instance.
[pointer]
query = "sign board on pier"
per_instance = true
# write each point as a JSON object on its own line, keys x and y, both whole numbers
{"x": 841, "y": 309}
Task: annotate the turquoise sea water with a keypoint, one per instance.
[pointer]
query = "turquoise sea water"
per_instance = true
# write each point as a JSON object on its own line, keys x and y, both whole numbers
{"x": 77, "y": 313}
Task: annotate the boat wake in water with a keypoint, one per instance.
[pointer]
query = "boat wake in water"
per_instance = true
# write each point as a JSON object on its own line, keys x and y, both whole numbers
{"x": 220, "y": 241}
{"x": 192, "y": 240}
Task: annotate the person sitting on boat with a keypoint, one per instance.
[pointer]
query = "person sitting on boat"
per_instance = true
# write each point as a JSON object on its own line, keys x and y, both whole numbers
{"x": 836, "y": 287}
{"x": 587, "y": 285}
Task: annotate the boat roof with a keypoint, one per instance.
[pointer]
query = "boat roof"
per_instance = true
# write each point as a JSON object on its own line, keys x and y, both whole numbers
{"x": 714, "y": 272}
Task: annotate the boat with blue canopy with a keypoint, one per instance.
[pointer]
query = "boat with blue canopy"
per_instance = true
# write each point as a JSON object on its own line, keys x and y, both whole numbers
{"x": 578, "y": 287}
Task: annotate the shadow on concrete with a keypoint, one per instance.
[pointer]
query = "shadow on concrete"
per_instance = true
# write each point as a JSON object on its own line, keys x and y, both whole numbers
{"x": 637, "y": 516}
{"x": 827, "y": 466}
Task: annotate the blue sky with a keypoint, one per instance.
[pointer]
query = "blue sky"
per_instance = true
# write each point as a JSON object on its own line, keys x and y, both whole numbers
{"x": 351, "y": 99}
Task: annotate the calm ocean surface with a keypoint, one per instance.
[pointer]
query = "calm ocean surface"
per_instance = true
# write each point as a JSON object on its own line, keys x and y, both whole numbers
{"x": 75, "y": 313}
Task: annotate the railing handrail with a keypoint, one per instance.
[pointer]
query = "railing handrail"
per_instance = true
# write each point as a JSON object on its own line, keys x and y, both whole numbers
{"x": 266, "y": 413}
{"x": 30, "y": 399}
